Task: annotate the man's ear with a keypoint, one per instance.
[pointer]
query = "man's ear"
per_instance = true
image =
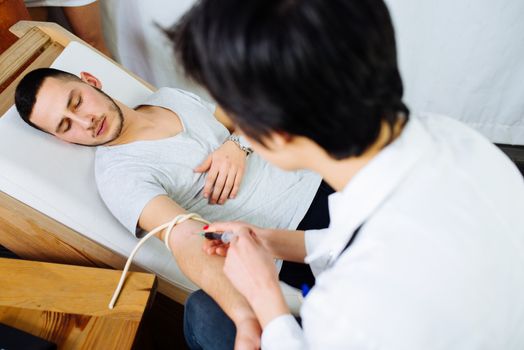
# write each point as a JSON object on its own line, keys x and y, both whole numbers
{"x": 91, "y": 80}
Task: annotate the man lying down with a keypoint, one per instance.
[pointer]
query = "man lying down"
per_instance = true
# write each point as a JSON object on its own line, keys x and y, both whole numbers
{"x": 145, "y": 166}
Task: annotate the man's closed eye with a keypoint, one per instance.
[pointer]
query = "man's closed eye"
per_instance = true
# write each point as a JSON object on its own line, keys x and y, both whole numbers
{"x": 78, "y": 102}
{"x": 65, "y": 126}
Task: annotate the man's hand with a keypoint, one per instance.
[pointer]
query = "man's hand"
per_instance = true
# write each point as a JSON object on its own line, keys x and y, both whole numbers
{"x": 225, "y": 168}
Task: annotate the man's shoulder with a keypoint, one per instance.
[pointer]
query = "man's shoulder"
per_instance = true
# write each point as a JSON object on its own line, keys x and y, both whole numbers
{"x": 181, "y": 95}
{"x": 156, "y": 97}
{"x": 109, "y": 159}
{"x": 172, "y": 92}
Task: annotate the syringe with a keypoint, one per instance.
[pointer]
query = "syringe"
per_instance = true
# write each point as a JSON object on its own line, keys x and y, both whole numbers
{"x": 225, "y": 237}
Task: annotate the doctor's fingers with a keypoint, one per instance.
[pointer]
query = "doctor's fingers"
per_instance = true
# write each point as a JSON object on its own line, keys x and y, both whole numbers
{"x": 234, "y": 267}
{"x": 244, "y": 256}
{"x": 240, "y": 249}
{"x": 232, "y": 226}
{"x": 222, "y": 250}
{"x": 246, "y": 240}
{"x": 215, "y": 247}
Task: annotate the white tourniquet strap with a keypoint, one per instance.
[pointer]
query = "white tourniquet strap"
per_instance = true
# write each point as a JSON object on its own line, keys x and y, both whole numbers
{"x": 170, "y": 225}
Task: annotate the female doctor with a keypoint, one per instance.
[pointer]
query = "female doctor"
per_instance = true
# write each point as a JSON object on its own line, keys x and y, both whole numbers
{"x": 315, "y": 85}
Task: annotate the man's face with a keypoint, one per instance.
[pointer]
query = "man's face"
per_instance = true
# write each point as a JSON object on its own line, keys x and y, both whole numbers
{"x": 76, "y": 112}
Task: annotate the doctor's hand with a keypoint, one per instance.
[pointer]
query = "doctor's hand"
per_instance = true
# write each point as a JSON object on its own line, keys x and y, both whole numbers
{"x": 251, "y": 270}
{"x": 225, "y": 168}
{"x": 217, "y": 247}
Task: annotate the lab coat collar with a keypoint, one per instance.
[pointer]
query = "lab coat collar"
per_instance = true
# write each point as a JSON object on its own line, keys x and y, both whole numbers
{"x": 369, "y": 188}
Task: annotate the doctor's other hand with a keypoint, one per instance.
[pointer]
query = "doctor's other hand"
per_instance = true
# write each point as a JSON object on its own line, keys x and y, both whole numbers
{"x": 248, "y": 264}
{"x": 225, "y": 168}
{"x": 248, "y": 335}
{"x": 250, "y": 267}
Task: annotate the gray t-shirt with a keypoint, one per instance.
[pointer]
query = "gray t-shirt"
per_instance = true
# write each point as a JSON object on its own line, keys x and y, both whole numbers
{"x": 128, "y": 176}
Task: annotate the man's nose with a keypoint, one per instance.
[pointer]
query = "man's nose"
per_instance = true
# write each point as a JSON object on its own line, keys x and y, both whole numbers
{"x": 85, "y": 121}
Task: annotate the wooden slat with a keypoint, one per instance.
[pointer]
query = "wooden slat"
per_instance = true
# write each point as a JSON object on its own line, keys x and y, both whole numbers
{"x": 56, "y": 32}
{"x": 175, "y": 293}
{"x": 44, "y": 59}
{"x": 16, "y": 56}
{"x": 72, "y": 289}
{"x": 68, "y": 304}
{"x": 33, "y": 235}
{"x": 72, "y": 331}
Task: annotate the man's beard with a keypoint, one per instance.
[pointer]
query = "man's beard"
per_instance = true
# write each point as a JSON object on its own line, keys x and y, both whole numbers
{"x": 120, "y": 117}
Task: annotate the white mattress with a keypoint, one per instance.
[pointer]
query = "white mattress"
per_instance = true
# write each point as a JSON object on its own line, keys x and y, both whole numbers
{"x": 57, "y": 178}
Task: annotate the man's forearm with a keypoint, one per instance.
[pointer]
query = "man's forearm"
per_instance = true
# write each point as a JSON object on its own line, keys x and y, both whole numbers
{"x": 203, "y": 269}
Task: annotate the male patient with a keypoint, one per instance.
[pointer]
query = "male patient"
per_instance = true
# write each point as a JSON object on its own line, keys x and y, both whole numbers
{"x": 145, "y": 171}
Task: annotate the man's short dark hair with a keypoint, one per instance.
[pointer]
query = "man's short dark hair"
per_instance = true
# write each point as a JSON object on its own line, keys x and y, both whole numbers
{"x": 28, "y": 87}
{"x": 322, "y": 69}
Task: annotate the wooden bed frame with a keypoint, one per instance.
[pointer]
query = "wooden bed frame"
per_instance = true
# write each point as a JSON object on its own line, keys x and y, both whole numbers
{"x": 23, "y": 230}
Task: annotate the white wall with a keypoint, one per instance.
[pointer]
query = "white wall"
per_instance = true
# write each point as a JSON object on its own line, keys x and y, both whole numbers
{"x": 465, "y": 59}
{"x": 139, "y": 45}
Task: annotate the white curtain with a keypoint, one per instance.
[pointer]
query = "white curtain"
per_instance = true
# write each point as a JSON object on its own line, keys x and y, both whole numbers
{"x": 465, "y": 59}
{"x": 134, "y": 38}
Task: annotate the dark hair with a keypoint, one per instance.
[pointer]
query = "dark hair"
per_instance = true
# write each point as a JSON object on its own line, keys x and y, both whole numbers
{"x": 28, "y": 87}
{"x": 322, "y": 69}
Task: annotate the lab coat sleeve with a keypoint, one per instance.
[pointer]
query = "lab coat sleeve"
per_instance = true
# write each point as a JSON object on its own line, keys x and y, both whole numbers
{"x": 283, "y": 333}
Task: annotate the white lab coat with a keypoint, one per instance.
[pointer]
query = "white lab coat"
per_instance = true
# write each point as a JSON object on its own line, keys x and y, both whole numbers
{"x": 438, "y": 263}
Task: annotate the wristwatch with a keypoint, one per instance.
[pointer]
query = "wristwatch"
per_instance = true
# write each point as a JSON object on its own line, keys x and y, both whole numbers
{"x": 236, "y": 139}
